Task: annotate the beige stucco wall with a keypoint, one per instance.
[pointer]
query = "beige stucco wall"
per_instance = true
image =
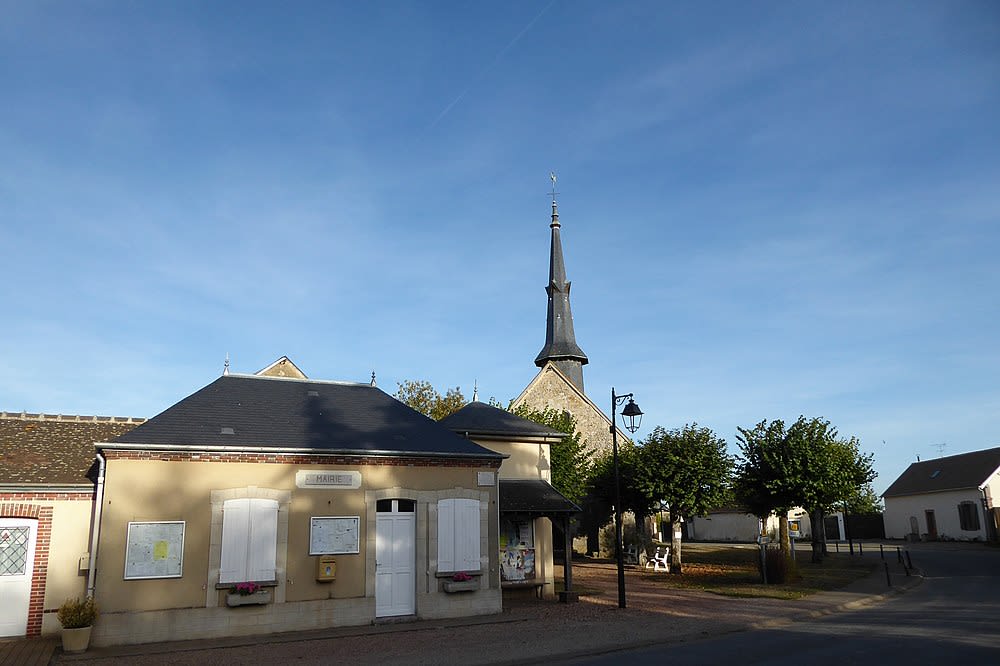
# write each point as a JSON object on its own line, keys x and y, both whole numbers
{"x": 192, "y": 491}
{"x": 69, "y": 542}
{"x": 525, "y": 461}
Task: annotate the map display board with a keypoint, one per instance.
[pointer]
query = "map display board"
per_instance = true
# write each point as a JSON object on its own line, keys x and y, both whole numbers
{"x": 154, "y": 550}
{"x": 334, "y": 535}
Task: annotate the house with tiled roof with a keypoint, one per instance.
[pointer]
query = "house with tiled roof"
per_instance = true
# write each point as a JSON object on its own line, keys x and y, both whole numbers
{"x": 951, "y": 498}
{"x": 528, "y": 503}
{"x": 325, "y": 503}
{"x": 47, "y": 481}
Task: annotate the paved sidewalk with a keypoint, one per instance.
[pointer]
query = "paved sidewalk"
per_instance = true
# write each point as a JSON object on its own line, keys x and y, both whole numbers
{"x": 528, "y": 631}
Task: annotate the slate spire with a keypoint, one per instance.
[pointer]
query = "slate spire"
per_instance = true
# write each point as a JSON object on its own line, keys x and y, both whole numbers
{"x": 560, "y": 341}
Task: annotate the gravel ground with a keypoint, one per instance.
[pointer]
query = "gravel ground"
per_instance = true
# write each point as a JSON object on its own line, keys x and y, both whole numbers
{"x": 528, "y": 630}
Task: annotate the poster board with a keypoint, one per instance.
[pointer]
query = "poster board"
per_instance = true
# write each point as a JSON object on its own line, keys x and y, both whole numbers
{"x": 334, "y": 535}
{"x": 154, "y": 549}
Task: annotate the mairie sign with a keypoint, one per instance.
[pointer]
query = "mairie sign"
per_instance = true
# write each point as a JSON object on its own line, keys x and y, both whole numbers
{"x": 328, "y": 479}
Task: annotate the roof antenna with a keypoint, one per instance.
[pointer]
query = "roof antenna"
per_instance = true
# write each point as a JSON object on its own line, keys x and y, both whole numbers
{"x": 475, "y": 391}
{"x": 373, "y": 379}
{"x": 225, "y": 368}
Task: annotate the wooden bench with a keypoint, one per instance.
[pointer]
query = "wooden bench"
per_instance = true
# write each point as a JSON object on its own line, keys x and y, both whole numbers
{"x": 535, "y": 585}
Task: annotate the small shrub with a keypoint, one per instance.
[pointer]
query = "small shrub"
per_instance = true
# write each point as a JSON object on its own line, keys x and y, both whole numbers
{"x": 74, "y": 614}
{"x": 777, "y": 566}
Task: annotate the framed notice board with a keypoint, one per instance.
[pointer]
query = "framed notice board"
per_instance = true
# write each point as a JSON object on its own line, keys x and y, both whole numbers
{"x": 334, "y": 535}
{"x": 154, "y": 549}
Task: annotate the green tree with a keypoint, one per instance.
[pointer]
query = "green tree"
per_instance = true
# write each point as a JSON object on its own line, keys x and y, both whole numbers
{"x": 689, "y": 469}
{"x": 825, "y": 470}
{"x": 602, "y": 486}
{"x": 762, "y": 471}
{"x": 423, "y": 397}
{"x": 864, "y": 502}
{"x": 571, "y": 461}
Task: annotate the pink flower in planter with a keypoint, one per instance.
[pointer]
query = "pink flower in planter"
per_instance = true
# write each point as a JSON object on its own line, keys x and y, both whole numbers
{"x": 245, "y": 589}
{"x": 461, "y": 577}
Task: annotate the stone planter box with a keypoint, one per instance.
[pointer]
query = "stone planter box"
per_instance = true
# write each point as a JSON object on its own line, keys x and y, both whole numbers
{"x": 257, "y": 598}
{"x": 452, "y": 586}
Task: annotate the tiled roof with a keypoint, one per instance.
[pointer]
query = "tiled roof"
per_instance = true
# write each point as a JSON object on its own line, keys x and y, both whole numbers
{"x": 52, "y": 449}
{"x": 242, "y": 411}
{"x": 966, "y": 470}
{"x": 478, "y": 418}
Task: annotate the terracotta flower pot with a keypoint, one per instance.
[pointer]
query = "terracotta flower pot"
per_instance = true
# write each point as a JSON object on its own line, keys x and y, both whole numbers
{"x": 76, "y": 640}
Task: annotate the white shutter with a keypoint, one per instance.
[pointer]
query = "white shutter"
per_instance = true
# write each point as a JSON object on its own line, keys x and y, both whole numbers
{"x": 235, "y": 531}
{"x": 263, "y": 541}
{"x": 467, "y": 535}
{"x": 446, "y": 535}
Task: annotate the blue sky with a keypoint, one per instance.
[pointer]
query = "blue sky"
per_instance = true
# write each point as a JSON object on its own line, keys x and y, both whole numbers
{"x": 768, "y": 209}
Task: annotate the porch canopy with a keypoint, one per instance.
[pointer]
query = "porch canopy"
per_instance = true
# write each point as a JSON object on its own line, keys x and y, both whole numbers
{"x": 535, "y": 498}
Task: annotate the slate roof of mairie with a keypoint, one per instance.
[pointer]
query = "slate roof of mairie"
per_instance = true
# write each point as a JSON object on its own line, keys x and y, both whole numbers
{"x": 966, "y": 470}
{"x": 478, "y": 418}
{"x": 53, "y": 449}
{"x": 301, "y": 415}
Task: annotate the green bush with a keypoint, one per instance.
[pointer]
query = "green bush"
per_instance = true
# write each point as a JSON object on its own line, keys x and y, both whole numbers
{"x": 74, "y": 614}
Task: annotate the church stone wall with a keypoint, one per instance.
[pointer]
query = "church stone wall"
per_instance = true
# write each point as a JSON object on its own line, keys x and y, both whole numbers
{"x": 553, "y": 391}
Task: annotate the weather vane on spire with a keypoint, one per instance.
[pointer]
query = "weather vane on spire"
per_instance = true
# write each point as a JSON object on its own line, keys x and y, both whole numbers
{"x": 552, "y": 177}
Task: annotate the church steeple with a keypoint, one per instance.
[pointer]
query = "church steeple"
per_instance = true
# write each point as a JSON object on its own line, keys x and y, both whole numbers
{"x": 560, "y": 341}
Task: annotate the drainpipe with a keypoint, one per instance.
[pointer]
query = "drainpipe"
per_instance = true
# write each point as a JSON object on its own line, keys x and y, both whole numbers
{"x": 989, "y": 521}
{"x": 95, "y": 531}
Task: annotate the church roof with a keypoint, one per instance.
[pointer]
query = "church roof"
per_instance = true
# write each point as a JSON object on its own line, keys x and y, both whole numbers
{"x": 560, "y": 339}
{"x": 478, "y": 419}
{"x": 243, "y": 412}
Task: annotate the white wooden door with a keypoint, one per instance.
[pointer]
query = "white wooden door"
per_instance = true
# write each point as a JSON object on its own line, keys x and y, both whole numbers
{"x": 395, "y": 564}
{"x": 17, "y": 559}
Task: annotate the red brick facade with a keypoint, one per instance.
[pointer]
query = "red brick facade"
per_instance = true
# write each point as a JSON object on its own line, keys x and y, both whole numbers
{"x": 21, "y": 505}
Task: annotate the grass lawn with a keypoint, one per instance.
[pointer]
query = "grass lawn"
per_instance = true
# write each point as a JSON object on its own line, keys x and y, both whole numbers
{"x": 732, "y": 571}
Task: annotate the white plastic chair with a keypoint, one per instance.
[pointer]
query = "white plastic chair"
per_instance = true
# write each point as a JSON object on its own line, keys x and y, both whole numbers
{"x": 660, "y": 561}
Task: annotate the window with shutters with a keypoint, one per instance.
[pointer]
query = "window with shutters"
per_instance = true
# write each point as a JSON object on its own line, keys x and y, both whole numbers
{"x": 249, "y": 540}
{"x": 458, "y": 535}
{"x": 968, "y": 516}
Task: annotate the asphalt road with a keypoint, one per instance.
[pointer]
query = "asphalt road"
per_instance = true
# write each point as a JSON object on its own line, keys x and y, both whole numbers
{"x": 953, "y": 618}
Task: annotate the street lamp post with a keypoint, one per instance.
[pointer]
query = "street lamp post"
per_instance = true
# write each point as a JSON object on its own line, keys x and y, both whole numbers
{"x": 631, "y": 418}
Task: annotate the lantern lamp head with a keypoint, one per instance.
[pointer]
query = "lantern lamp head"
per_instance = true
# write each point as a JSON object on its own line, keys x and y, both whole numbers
{"x": 631, "y": 416}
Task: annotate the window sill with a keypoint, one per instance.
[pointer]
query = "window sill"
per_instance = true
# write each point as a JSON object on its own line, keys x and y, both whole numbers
{"x": 449, "y": 574}
{"x": 260, "y": 583}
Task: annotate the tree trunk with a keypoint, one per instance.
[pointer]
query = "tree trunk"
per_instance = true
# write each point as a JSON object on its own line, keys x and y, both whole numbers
{"x": 675, "y": 544}
{"x": 783, "y": 538}
{"x": 817, "y": 537}
{"x": 822, "y": 533}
